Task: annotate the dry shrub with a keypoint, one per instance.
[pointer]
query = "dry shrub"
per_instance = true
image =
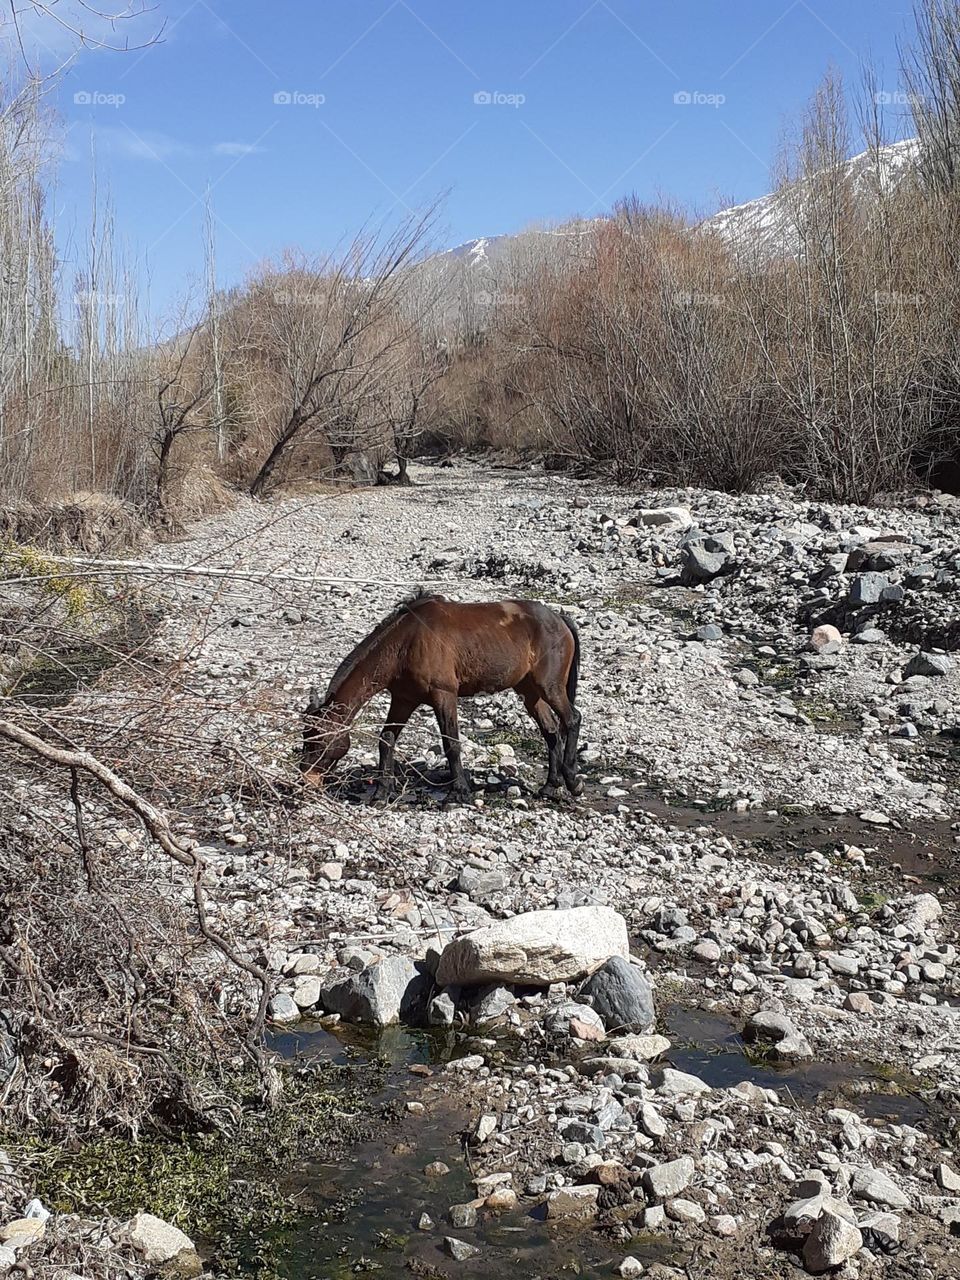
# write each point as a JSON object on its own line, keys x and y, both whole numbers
{"x": 115, "y": 1001}
{"x": 97, "y": 523}
{"x": 202, "y": 492}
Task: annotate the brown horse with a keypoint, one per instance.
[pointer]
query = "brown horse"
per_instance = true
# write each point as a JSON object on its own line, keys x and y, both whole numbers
{"x": 434, "y": 651}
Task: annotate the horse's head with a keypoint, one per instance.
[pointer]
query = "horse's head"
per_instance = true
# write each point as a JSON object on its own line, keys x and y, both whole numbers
{"x": 325, "y": 739}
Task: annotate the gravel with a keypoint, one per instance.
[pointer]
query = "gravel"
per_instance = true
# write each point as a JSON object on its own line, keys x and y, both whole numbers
{"x": 702, "y": 685}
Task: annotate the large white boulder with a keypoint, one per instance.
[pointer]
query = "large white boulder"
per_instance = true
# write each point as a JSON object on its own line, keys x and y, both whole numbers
{"x": 164, "y": 1247}
{"x": 535, "y": 949}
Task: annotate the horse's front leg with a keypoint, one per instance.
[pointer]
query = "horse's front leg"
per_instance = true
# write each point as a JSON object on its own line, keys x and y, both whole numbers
{"x": 401, "y": 709}
{"x": 445, "y": 707}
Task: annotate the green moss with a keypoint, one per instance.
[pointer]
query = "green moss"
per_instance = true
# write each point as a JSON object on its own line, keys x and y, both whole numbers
{"x": 233, "y": 1191}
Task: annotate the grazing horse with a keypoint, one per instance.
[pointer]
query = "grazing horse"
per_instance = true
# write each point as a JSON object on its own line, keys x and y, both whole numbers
{"x": 434, "y": 651}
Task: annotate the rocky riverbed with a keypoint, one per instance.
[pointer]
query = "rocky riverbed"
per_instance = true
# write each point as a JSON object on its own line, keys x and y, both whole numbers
{"x": 730, "y": 1046}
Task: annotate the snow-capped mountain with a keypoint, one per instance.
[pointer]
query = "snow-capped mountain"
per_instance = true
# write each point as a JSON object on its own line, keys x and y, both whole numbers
{"x": 766, "y": 226}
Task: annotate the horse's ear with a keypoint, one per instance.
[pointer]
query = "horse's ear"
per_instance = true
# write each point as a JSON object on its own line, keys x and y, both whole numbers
{"x": 314, "y": 703}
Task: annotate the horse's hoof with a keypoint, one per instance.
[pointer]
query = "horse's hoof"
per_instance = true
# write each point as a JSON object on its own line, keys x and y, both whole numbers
{"x": 459, "y": 795}
{"x": 548, "y": 792}
{"x": 575, "y": 787}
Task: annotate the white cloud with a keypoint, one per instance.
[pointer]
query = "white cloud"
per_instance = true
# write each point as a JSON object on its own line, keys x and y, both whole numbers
{"x": 161, "y": 148}
{"x": 237, "y": 149}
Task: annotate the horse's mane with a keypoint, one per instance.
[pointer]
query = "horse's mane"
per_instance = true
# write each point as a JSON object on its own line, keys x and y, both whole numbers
{"x": 368, "y": 643}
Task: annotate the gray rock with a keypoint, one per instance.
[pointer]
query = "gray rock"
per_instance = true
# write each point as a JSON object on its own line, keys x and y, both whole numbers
{"x": 492, "y": 1002}
{"x": 163, "y": 1246}
{"x": 459, "y": 1250}
{"x": 698, "y": 563}
{"x": 478, "y": 881}
{"x": 928, "y": 664}
{"x": 621, "y": 995}
{"x": 831, "y": 1243}
{"x": 680, "y": 1084}
{"x": 868, "y": 588}
{"x": 393, "y": 990}
{"x": 283, "y": 1008}
{"x": 878, "y": 1188}
{"x": 535, "y": 949}
{"x": 573, "y": 1202}
{"x": 591, "y": 1135}
{"x": 710, "y": 631}
{"x": 462, "y": 1216}
{"x": 664, "y": 1181}
{"x": 442, "y": 1010}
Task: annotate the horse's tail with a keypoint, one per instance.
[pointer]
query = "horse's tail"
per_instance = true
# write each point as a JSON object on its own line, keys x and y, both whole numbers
{"x": 573, "y": 676}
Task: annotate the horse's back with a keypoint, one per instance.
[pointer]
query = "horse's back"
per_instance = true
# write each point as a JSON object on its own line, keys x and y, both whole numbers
{"x": 480, "y": 647}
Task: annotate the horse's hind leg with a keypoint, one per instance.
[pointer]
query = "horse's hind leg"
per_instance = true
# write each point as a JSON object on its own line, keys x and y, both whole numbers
{"x": 570, "y": 720}
{"x": 445, "y": 707}
{"x": 546, "y": 722}
{"x": 401, "y": 709}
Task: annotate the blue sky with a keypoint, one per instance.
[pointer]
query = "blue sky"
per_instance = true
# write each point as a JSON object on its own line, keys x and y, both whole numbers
{"x": 382, "y": 114}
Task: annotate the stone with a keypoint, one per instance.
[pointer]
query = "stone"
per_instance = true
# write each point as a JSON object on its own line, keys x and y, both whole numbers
{"x": 859, "y": 1002}
{"x": 680, "y": 1084}
{"x": 878, "y": 1188}
{"x": 394, "y": 989}
{"x": 573, "y": 1019}
{"x": 642, "y": 1047}
{"x": 283, "y": 1008}
{"x": 700, "y": 564}
{"x": 8, "y": 1257}
{"x": 630, "y": 1267}
{"x": 928, "y": 664}
{"x": 459, "y": 1250}
{"x": 492, "y": 1002}
{"x": 708, "y": 951}
{"x": 441, "y": 1010}
{"x": 664, "y": 1181}
{"x": 709, "y": 631}
{"x": 502, "y": 1200}
{"x": 21, "y": 1232}
{"x": 768, "y": 1026}
{"x": 948, "y": 1180}
{"x": 846, "y": 966}
{"x": 664, "y": 519}
{"x": 831, "y": 1243}
{"x": 436, "y": 1169}
{"x": 306, "y": 991}
{"x": 163, "y": 1247}
{"x": 826, "y": 639}
{"x": 486, "y": 1127}
{"x": 651, "y": 1121}
{"x": 680, "y": 1210}
{"x": 462, "y": 1216}
{"x": 536, "y": 949}
{"x": 868, "y": 588}
{"x": 573, "y": 1202}
{"x": 621, "y": 995}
